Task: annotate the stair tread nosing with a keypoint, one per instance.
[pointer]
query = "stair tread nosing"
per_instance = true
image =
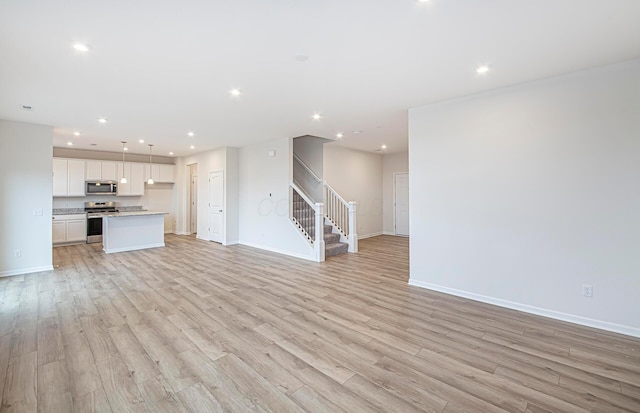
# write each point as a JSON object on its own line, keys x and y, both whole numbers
{"x": 335, "y": 248}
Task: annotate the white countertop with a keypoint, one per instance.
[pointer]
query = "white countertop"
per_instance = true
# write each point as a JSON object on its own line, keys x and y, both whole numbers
{"x": 132, "y": 213}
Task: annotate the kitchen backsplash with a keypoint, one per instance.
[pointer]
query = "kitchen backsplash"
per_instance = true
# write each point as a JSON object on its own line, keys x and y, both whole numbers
{"x": 78, "y": 202}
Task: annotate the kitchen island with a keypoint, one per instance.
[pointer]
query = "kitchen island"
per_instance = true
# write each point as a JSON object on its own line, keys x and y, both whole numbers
{"x": 135, "y": 230}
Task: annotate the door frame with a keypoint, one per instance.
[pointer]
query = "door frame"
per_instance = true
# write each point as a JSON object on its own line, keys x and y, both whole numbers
{"x": 193, "y": 203}
{"x": 395, "y": 231}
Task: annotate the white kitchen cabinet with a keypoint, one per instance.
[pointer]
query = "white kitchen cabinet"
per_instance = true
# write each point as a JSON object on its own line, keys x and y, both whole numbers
{"x": 59, "y": 231}
{"x": 60, "y": 177}
{"x": 76, "y": 177}
{"x": 137, "y": 179}
{"x": 134, "y": 172}
{"x": 69, "y": 228}
{"x": 68, "y": 177}
{"x": 109, "y": 171}
{"x": 102, "y": 171}
{"x": 166, "y": 173}
{"x": 77, "y": 230}
{"x": 161, "y": 173}
{"x": 94, "y": 171}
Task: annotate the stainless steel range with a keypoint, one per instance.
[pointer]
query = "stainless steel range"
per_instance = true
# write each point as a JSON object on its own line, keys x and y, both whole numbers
{"x": 94, "y": 212}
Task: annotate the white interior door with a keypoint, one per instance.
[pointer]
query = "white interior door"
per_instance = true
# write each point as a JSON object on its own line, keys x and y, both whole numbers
{"x": 194, "y": 205}
{"x": 401, "y": 203}
{"x": 216, "y": 203}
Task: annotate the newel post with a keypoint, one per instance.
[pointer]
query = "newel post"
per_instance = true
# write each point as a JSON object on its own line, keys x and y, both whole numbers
{"x": 353, "y": 237}
{"x": 318, "y": 245}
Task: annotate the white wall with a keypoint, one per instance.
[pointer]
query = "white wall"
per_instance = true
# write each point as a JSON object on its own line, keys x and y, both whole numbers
{"x": 391, "y": 164}
{"x": 310, "y": 150}
{"x": 529, "y": 192}
{"x": 357, "y": 176}
{"x": 264, "y": 200}
{"x": 25, "y": 185}
{"x": 232, "y": 196}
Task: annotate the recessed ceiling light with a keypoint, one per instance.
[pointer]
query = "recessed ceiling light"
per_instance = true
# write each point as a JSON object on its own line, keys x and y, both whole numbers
{"x": 28, "y": 108}
{"x": 339, "y": 135}
{"x": 76, "y": 133}
{"x": 235, "y": 92}
{"x": 423, "y": 1}
{"x": 192, "y": 147}
{"x": 171, "y": 153}
{"x": 301, "y": 58}
{"x": 70, "y": 143}
{"x": 140, "y": 140}
{"x": 383, "y": 147}
{"x": 81, "y": 47}
{"x": 125, "y": 148}
{"x": 357, "y": 132}
{"x": 190, "y": 133}
{"x": 316, "y": 116}
{"x": 483, "y": 69}
{"x": 103, "y": 120}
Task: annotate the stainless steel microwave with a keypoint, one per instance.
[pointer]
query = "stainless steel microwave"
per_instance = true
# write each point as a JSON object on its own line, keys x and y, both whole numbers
{"x": 101, "y": 188}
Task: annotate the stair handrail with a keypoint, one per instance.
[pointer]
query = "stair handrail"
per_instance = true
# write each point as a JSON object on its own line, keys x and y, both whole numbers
{"x": 306, "y": 167}
{"x": 335, "y": 193}
{"x": 303, "y": 194}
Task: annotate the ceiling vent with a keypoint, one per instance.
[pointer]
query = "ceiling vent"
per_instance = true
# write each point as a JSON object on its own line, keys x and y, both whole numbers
{"x": 26, "y": 107}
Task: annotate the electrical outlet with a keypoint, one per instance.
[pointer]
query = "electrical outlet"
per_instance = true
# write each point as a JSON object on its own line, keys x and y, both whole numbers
{"x": 17, "y": 253}
{"x": 37, "y": 212}
{"x": 587, "y": 290}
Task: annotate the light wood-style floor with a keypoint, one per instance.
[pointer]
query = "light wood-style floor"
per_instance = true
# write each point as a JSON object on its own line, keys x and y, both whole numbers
{"x": 199, "y": 327}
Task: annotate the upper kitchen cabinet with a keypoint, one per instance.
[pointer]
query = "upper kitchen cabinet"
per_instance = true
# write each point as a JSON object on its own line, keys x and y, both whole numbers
{"x": 161, "y": 173}
{"x": 101, "y": 171}
{"x": 134, "y": 172}
{"x": 68, "y": 177}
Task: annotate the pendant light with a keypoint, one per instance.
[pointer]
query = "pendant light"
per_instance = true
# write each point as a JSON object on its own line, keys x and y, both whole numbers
{"x": 150, "y": 181}
{"x": 123, "y": 180}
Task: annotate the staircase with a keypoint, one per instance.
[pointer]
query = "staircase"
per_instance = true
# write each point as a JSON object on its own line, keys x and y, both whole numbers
{"x": 304, "y": 216}
{"x": 332, "y": 244}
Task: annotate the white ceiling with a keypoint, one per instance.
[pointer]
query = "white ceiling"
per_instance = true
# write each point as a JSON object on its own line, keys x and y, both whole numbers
{"x": 158, "y": 69}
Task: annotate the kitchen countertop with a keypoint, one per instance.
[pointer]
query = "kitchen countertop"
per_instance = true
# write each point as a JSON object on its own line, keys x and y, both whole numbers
{"x": 67, "y": 211}
{"x": 131, "y": 213}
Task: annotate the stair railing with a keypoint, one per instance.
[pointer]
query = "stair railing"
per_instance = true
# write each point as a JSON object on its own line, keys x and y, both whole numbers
{"x": 308, "y": 217}
{"x": 342, "y": 215}
{"x": 306, "y": 168}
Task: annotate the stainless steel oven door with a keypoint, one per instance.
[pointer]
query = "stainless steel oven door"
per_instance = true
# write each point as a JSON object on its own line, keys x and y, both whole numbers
{"x": 94, "y": 229}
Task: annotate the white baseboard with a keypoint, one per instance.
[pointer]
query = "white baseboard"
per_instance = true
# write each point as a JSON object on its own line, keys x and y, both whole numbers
{"x": 571, "y": 318}
{"x": 233, "y": 242}
{"x": 26, "y": 271}
{"x": 181, "y": 233}
{"x": 394, "y": 234}
{"x": 375, "y": 234}
{"x": 277, "y": 251}
{"x": 139, "y": 247}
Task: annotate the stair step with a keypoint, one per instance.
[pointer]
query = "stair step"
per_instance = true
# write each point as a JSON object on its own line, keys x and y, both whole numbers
{"x": 330, "y": 238}
{"x": 336, "y": 248}
{"x": 328, "y": 229}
